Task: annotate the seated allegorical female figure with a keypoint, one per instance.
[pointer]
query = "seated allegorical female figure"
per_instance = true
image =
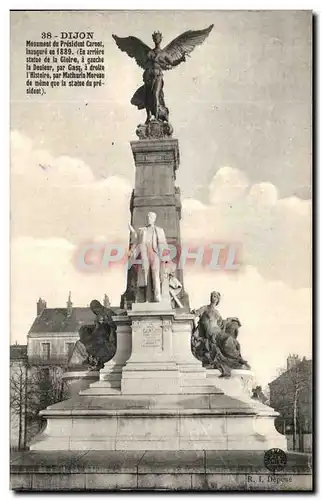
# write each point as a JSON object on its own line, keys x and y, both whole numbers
{"x": 229, "y": 348}
{"x": 209, "y": 324}
{"x": 214, "y": 340}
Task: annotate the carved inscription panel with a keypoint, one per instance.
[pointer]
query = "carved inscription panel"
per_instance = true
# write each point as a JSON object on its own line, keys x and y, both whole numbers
{"x": 152, "y": 336}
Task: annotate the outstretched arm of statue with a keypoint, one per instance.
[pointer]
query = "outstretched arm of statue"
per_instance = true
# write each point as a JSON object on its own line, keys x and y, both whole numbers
{"x": 131, "y": 228}
{"x": 133, "y": 234}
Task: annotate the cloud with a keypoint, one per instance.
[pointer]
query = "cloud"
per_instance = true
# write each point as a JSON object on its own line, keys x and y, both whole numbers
{"x": 275, "y": 233}
{"x": 60, "y": 197}
{"x": 42, "y": 168}
{"x": 229, "y": 184}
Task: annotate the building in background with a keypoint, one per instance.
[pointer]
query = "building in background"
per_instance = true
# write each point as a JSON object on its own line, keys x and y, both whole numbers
{"x": 53, "y": 334}
{"x": 291, "y": 396}
{"x": 36, "y": 368}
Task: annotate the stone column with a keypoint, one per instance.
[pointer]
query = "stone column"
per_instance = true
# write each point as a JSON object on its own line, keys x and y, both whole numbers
{"x": 156, "y": 163}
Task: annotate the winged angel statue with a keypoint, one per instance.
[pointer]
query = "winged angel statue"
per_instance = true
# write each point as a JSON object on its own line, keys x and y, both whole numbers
{"x": 150, "y": 96}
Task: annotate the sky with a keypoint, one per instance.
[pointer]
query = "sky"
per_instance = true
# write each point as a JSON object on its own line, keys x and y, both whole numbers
{"x": 241, "y": 110}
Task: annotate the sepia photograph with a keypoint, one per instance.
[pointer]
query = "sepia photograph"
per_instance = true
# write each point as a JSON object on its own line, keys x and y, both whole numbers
{"x": 161, "y": 250}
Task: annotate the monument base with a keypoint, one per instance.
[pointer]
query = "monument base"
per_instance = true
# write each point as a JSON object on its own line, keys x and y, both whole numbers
{"x": 170, "y": 422}
{"x": 154, "y": 395}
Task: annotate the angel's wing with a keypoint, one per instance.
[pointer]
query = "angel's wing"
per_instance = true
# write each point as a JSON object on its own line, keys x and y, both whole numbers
{"x": 185, "y": 43}
{"x": 134, "y": 48}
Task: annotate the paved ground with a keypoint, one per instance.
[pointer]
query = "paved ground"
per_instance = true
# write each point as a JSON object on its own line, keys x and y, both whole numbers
{"x": 159, "y": 461}
{"x": 198, "y": 470}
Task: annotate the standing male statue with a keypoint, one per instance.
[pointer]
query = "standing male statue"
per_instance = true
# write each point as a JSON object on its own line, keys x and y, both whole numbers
{"x": 150, "y": 242}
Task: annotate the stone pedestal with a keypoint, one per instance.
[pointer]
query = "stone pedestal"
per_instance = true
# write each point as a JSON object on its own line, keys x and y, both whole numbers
{"x": 151, "y": 368}
{"x": 239, "y": 385}
{"x": 157, "y": 422}
{"x": 77, "y": 381}
{"x": 153, "y": 354}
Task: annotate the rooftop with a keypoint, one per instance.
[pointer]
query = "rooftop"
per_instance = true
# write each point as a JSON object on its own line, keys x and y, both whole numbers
{"x": 57, "y": 319}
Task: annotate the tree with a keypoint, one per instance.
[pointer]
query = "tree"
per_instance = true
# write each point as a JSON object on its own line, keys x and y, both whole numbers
{"x": 50, "y": 389}
{"x": 300, "y": 383}
{"x": 266, "y": 393}
{"x": 32, "y": 389}
{"x": 50, "y": 386}
{"x": 22, "y": 394}
{"x": 290, "y": 395}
